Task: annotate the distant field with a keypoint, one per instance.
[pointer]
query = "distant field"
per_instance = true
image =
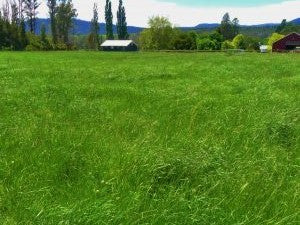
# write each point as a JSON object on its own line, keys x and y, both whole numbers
{"x": 149, "y": 138}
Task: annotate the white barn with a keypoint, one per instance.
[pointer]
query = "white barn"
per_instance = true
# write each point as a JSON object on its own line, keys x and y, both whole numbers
{"x": 119, "y": 45}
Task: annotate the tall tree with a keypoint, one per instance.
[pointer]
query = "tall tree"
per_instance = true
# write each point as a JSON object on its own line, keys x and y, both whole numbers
{"x": 109, "y": 21}
{"x": 229, "y": 29}
{"x": 281, "y": 26}
{"x": 121, "y": 22}
{"x": 31, "y": 7}
{"x": 158, "y": 36}
{"x": 52, "y": 7}
{"x": 65, "y": 20}
{"x": 93, "y": 38}
{"x": 21, "y": 10}
{"x": 14, "y": 12}
{"x": 236, "y": 26}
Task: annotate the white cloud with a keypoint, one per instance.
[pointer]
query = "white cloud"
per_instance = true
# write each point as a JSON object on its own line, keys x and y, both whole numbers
{"x": 138, "y": 12}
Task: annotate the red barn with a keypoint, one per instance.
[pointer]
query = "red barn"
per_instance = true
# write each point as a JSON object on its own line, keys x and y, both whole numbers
{"x": 288, "y": 43}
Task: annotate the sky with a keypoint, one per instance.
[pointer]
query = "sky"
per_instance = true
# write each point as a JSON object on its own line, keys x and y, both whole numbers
{"x": 193, "y": 12}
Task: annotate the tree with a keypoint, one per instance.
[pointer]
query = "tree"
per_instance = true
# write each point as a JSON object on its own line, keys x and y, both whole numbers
{"x": 159, "y": 36}
{"x": 45, "y": 44}
{"x": 228, "y": 29}
{"x": 93, "y": 38}
{"x": 283, "y": 24}
{"x": 273, "y": 38}
{"x": 65, "y": 15}
{"x": 240, "y": 42}
{"x": 52, "y": 7}
{"x": 23, "y": 37}
{"x": 236, "y": 26}
{"x": 21, "y": 10}
{"x": 14, "y": 13}
{"x": 109, "y": 21}
{"x": 206, "y": 44}
{"x": 184, "y": 40}
{"x": 227, "y": 45}
{"x": 121, "y": 22}
{"x": 31, "y": 7}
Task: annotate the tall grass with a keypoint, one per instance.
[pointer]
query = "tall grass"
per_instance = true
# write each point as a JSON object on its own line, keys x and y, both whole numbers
{"x": 149, "y": 138}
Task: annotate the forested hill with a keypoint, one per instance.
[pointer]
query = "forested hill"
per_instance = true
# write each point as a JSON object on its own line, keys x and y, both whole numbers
{"x": 83, "y": 27}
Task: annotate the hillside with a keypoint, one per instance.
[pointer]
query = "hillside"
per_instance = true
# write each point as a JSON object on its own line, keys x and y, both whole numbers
{"x": 296, "y": 21}
{"x": 83, "y": 27}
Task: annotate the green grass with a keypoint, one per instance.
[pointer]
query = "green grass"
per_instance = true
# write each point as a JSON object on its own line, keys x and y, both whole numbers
{"x": 149, "y": 138}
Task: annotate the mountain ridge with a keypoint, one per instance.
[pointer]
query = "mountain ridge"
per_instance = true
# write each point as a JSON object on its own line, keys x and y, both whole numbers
{"x": 82, "y": 27}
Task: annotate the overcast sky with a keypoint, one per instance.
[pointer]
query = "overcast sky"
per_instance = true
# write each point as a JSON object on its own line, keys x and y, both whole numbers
{"x": 193, "y": 12}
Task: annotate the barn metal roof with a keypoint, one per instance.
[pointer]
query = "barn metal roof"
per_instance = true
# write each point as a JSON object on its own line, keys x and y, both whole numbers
{"x": 116, "y": 43}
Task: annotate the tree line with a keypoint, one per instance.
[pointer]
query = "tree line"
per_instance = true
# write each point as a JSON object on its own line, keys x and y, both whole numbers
{"x": 162, "y": 35}
{"x": 18, "y": 25}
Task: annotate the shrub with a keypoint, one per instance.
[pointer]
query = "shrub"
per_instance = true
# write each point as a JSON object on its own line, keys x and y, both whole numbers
{"x": 227, "y": 45}
{"x": 240, "y": 42}
{"x": 206, "y": 44}
{"x": 185, "y": 41}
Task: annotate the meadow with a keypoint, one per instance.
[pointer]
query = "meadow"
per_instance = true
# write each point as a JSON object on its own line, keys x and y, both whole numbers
{"x": 149, "y": 138}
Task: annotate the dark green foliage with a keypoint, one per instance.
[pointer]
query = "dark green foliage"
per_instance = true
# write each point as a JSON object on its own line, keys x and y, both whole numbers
{"x": 121, "y": 22}
{"x": 12, "y": 31}
{"x": 228, "y": 29}
{"x": 45, "y": 43}
{"x": 109, "y": 21}
{"x": 64, "y": 21}
{"x": 211, "y": 41}
{"x": 282, "y": 26}
{"x": 287, "y": 28}
{"x": 52, "y": 6}
{"x": 23, "y": 37}
{"x": 185, "y": 40}
{"x": 93, "y": 38}
{"x": 206, "y": 44}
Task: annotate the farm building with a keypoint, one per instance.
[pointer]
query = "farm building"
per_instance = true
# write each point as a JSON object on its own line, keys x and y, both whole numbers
{"x": 289, "y": 43}
{"x": 263, "y": 48}
{"x": 119, "y": 45}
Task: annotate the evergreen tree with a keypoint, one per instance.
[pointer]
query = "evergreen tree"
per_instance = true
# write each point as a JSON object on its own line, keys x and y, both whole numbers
{"x": 52, "y": 6}
{"x": 93, "y": 38}
{"x": 31, "y": 7}
{"x": 109, "y": 21}
{"x": 121, "y": 22}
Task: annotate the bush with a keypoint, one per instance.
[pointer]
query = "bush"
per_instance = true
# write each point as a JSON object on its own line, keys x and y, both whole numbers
{"x": 239, "y": 42}
{"x": 206, "y": 44}
{"x": 227, "y": 45}
{"x": 61, "y": 46}
{"x": 185, "y": 41}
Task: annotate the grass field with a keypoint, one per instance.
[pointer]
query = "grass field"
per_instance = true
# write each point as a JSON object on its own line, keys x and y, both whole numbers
{"x": 149, "y": 138}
